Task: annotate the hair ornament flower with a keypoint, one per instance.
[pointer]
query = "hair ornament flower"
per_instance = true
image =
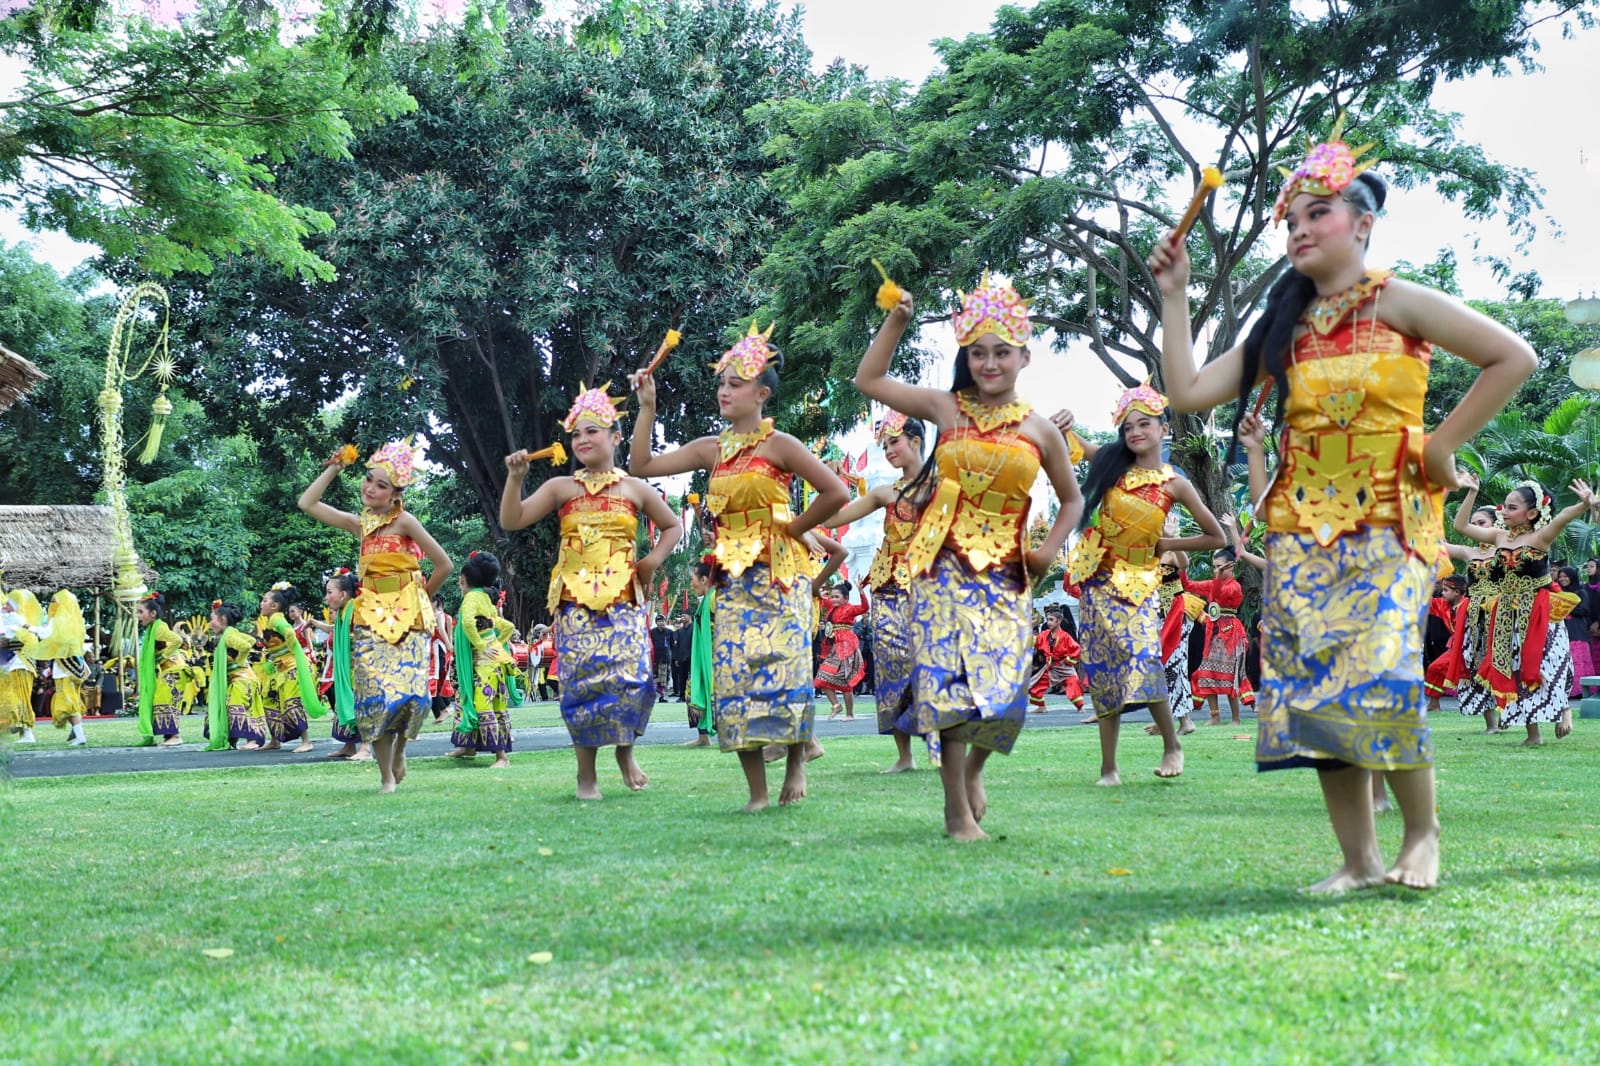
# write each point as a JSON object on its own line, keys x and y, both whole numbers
{"x": 888, "y": 427}
{"x": 596, "y": 405}
{"x": 1142, "y": 398}
{"x": 397, "y": 461}
{"x": 1328, "y": 170}
{"x": 216, "y": 605}
{"x": 993, "y": 308}
{"x": 750, "y": 356}
{"x": 281, "y": 586}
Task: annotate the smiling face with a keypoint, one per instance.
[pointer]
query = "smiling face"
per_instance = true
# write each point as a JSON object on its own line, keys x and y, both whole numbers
{"x": 995, "y": 364}
{"x": 377, "y": 492}
{"x": 739, "y": 399}
{"x": 1327, "y": 234}
{"x": 593, "y": 444}
{"x": 1143, "y": 433}
{"x": 1563, "y": 579}
{"x": 1516, "y": 510}
{"x": 902, "y": 450}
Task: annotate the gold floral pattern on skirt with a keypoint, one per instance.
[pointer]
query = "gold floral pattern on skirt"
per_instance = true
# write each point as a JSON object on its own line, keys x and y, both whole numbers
{"x": 390, "y": 682}
{"x": 761, "y": 661}
{"x": 1341, "y": 653}
{"x": 1122, "y": 665}
{"x": 891, "y": 657}
{"x": 607, "y": 691}
{"x": 972, "y": 641}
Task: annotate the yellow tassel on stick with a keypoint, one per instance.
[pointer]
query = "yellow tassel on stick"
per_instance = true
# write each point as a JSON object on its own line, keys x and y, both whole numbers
{"x": 669, "y": 342}
{"x": 1210, "y": 180}
{"x": 888, "y": 293}
{"x": 555, "y": 453}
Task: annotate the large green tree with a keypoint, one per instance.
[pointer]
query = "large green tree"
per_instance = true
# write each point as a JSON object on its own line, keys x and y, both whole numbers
{"x": 1060, "y": 145}
{"x": 156, "y": 140}
{"x": 523, "y": 232}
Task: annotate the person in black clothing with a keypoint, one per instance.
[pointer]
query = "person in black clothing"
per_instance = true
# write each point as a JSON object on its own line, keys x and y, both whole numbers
{"x": 661, "y": 655}
{"x": 681, "y": 641}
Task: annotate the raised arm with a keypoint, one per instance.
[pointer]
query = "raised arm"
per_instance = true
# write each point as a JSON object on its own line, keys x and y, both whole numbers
{"x": 1057, "y": 467}
{"x": 1064, "y": 420}
{"x": 1189, "y": 388}
{"x": 311, "y": 501}
{"x": 861, "y": 506}
{"x": 1547, "y": 536}
{"x": 872, "y": 376}
{"x": 642, "y": 462}
{"x": 668, "y": 525}
{"x": 1253, "y": 437}
{"x": 517, "y": 512}
{"x": 1462, "y": 522}
{"x": 1240, "y": 550}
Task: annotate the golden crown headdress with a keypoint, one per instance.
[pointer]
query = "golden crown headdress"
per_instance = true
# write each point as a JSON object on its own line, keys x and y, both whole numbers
{"x": 1328, "y": 170}
{"x": 993, "y": 309}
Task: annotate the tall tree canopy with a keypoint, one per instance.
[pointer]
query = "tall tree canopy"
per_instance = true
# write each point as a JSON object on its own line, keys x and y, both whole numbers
{"x": 527, "y": 229}
{"x": 1059, "y": 146}
{"x": 156, "y": 141}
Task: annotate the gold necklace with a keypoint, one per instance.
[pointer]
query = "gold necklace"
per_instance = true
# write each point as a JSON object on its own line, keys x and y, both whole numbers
{"x": 1343, "y": 402}
{"x": 371, "y": 521}
{"x": 730, "y": 444}
{"x": 593, "y": 483}
{"x": 986, "y": 418}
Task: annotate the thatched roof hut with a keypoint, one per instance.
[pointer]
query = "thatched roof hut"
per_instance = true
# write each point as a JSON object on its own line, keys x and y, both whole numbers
{"x": 17, "y": 376}
{"x": 50, "y": 548}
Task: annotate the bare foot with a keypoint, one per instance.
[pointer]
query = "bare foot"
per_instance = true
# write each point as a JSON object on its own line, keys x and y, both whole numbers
{"x": 850, "y": 717}
{"x": 1038, "y": 710}
{"x": 345, "y": 752}
{"x": 1151, "y": 730}
{"x": 814, "y": 750}
{"x": 701, "y": 741}
{"x": 1343, "y": 880}
{"x": 177, "y": 742}
{"x": 248, "y": 745}
{"x": 904, "y": 766}
{"x": 386, "y": 788}
{"x": 794, "y": 786}
{"x": 966, "y": 831}
{"x": 588, "y": 790}
{"x": 1381, "y": 806}
{"x": 635, "y": 778}
{"x": 977, "y": 798}
{"x": 1171, "y": 764}
{"x": 1418, "y": 864}
{"x": 1110, "y": 780}
{"x": 756, "y": 805}
{"x": 305, "y": 746}
{"x": 1089, "y": 719}
{"x": 400, "y": 769}
{"x": 500, "y": 763}
{"x": 1564, "y": 726}
{"x": 274, "y": 746}
{"x": 1213, "y": 720}
{"x": 773, "y": 752}
{"x": 362, "y": 756}
{"x": 1187, "y": 727}
{"x": 1532, "y": 742}
{"x": 463, "y": 753}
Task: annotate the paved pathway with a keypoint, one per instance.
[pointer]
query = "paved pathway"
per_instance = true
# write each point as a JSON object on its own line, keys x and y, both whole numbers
{"x": 59, "y": 762}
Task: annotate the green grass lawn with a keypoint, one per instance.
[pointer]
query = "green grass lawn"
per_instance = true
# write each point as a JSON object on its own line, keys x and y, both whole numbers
{"x": 123, "y": 732}
{"x": 1154, "y": 923}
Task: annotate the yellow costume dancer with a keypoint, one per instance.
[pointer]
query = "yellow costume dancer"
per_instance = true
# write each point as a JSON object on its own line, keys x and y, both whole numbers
{"x": 890, "y": 582}
{"x": 1353, "y": 537}
{"x": 20, "y": 615}
{"x": 1119, "y": 569}
{"x": 288, "y": 684}
{"x": 233, "y": 699}
{"x": 58, "y": 656}
{"x": 970, "y": 596}
{"x": 482, "y": 663}
{"x": 159, "y": 666}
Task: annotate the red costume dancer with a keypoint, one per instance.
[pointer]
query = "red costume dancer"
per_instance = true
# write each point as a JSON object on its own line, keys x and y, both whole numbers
{"x": 1447, "y": 616}
{"x": 1221, "y": 670}
{"x": 1061, "y": 654}
{"x": 842, "y": 665}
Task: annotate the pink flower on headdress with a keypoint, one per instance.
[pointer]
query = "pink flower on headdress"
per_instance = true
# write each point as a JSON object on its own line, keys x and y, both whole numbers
{"x": 750, "y": 356}
{"x": 397, "y": 460}
{"x": 890, "y": 425}
{"x": 596, "y": 405}
{"x": 1142, "y": 398}
{"x": 993, "y": 309}
{"x": 1328, "y": 170}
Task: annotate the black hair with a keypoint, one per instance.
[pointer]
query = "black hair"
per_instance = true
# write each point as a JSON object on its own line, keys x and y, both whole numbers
{"x": 1105, "y": 470}
{"x": 481, "y": 570}
{"x": 1228, "y": 553}
{"x": 230, "y": 613}
{"x": 347, "y": 582}
{"x": 284, "y": 598}
{"x": 843, "y": 587}
{"x": 702, "y": 570}
{"x": 915, "y": 428}
{"x": 1532, "y": 498}
{"x": 1488, "y": 509}
{"x": 153, "y": 603}
{"x": 1269, "y": 339}
{"x": 1572, "y": 576}
{"x": 962, "y": 381}
{"x": 1052, "y": 612}
{"x": 483, "y": 622}
{"x": 769, "y": 376}
{"x": 1455, "y": 581}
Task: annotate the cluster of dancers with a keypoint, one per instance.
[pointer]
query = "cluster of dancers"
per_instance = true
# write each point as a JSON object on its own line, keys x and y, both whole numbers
{"x": 1354, "y": 541}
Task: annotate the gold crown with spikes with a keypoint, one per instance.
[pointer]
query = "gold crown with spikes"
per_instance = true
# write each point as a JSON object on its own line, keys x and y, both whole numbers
{"x": 993, "y": 309}
{"x": 1328, "y": 170}
{"x": 597, "y": 405}
{"x": 750, "y": 356}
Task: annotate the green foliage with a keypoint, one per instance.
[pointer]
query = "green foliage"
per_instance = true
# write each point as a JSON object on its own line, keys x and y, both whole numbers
{"x": 1554, "y": 341}
{"x": 1061, "y": 144}
{"x": 157, "y": 142}
{"x": 521, "y": 233}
